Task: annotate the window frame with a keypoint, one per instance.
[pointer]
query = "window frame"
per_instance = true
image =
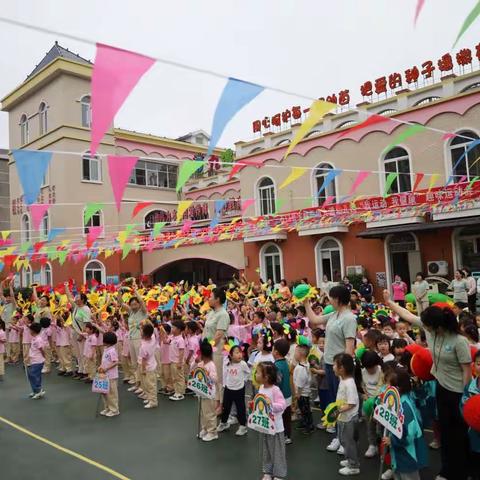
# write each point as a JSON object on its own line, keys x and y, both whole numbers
{"x": 86, "y": 111}
{"x": 259, "y": 193}
{"x": 263, "y": 262}
{"x": 43, "y": 118}
{"x": 152, "y": 169}
{"x": 25, "y": 228}
{"x": 24, "y": 129}
{"x": 464, "y": 145}
{"x": 102, "y": 270}
{"x": 326, "y": 192}
{"x": 88, "y": 224}
{"x": 318, "y": 258}
{"x": 384, "y": 175}
{"x": 26, "y": 276}
{"x": 92, "y": 159}
{"x": 45, "y": 274}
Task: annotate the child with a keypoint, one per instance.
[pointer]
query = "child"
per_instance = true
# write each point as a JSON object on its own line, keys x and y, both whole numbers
{"x": 127, "y": 368}
{"x": 347, "y": 420}
{"x": 383, "y": 348}
{"x": 319, "y": 371}
{"x": 35, "y": 361}
{"x": 46, "y": 324}
{"x": 274, "y": 463}
{"x": 14, "y": 341}
{"x": 148, "y": 366}
{"x": 3, "y": 341}
{"x": 208, "y": 416}
{"x": 409, "y": 454}
{"x": 387, "y": 330}
{"x": 301, "y": 382}
{"x": 372, "y": 382}
{"x": 265, "y": 347}
{"x": 235, "y": 375}
{"x": 26, "y": 335}
{"x": 398, "y": 348}
{"x": 280, "y": 351}
{"x": 89, "y": 351}
{"x": 62, "y": 343}
{"x": 401, "y": 329}
{"x": 165, "y": 371}
{"x": 177, "y": 355}
{"x": 109, "y": 366}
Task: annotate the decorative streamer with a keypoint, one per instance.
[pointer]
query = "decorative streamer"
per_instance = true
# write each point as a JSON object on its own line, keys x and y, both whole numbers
{"x": 418, "y": 9}
{"x": 295, "y": 174}
{"x": 31, "y": 166}
{"x": 187, "y": 169}
{"x": 468, "y": 21}
{"x": 407, "y": 133}
{"x": 120, "y": 168}
{"x": 433, "y": 180}
{"x": 115, "y": 74}
{"x": 54, "y": 232}
{"x": 471, "y": 146}
{"x": 90, "y": 210}
{"x": 388, "y": 183}
{"x": 140, "y": 206}
{"x": 93, "y": 234}
{"x": 448, "y": 136}
{"x": 235, "y": 96}
{"x": 278, "y": 204}
{"x": 475, "y": 179}
{"x": 361, "y": 177}
{"x": 317, "y": 110}
{"x": 6, "y": 234}
{"x": 187, "y": 226}
{"x": 157, "y": 228}
{"x": 372, "y": 120}
{"x": 329, "y": 178}
{"x": 418, "y": 179}
{"x": 37, "y": 211}
{"x": 182, "y": 207}
{"x": 240, "y": 165}
{"x": 246, "y": 203}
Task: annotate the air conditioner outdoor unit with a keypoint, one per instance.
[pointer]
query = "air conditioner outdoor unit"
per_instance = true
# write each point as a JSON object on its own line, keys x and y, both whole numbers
{"x": 439, "y": 267}
{"x": 355, "y": 270}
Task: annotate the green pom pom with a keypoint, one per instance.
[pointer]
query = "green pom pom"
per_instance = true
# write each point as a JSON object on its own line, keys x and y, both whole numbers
{"x": 410, "y": 298}
{"x": 360, "y": 351}
{"x": 369, "y": 406}
{"x": 438, "y": 297}
{"x": 301, "y": 291}
{"x": 328, "y": 309}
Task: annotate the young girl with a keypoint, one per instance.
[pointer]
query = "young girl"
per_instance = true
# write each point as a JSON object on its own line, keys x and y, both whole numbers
{"x": 35, "y": 361}
{"x": 383, "y": 348}
{"x": 3, "y": 341}
{"x": 165, "y": 371}
{"x": 89, "y": 351}
{"x": 208, "y": 416}
{"x": 235, "y": 374}
{"x": 14, "y": 340}
{"x": 109, "y": 366}
{"x": 409, "y": 454}
{"x": 274, "y": 455}
{"x": 62, "y": 343}
{"x": 148, "y": 366}
{"x": 177, "y": 354}
{"x": 347, "y": 420}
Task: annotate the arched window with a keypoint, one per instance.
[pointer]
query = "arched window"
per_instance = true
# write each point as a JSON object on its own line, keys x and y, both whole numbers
{"x": 285, "y": 141}
{"x": 257, "y": 149}
{"x": 312, "y": 133}
{"x": 44, "y": 227}
{"x": 91, "y": 168}
{"x": 464, "y": 164}
{"x": 397, "y": 161}
{"x": 348, "y": 123}
{"x": 319, "y": 175}
{"x": 24, "y": 131}
{"x": 387, "y": 111}
{"x": 27, "y": 276}
{"x": 85, "y": 103}
{"x": 155, "y": 216}
{"x": 271, "y": 266}
{"x": 42, "y": 118}
{"x": 47, "y": 275}
{"x": 424, "y": 101}
{"x": 96, "y": 220}
{"x": 266, "y": 196}
{"x": 473, "y": 86}
{"x": 94, "y": 270}
{"x": 329, "y": 259}
{"x": 25, "y": 228}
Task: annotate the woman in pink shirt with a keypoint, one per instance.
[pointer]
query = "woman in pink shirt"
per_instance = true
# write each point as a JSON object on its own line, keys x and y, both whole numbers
{"x": 35, "y": 361}
{"x": 109, "y": 367}
{"x": 399, "y": 289}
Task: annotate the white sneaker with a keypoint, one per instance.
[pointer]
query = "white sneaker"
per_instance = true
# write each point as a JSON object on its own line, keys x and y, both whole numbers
{"x": 242, "y": 430}
{"x": 371, "y": 452}
{"x": 341, "y": 450}
{"x": 176, "y": 397}
{"x": 387, "y": 475}
{"x": 331, "y": 430}
{"x": 150, "y": 405}
{"x": 202, "y": 434}
{"x": 209, "y": 437}
{"x": 288, "y": 441}
{"x": 104, "y": 412}
{"x": 321, "y": 426}
{"x": 39, "y": 395}
{"x": 349, "y": 471}
{"x": 132, "y": 389}
{"x": 145, "y": 401}
{"x": 232, "y": 420}
{"x": 112, "y": 414}
{"x": 223, "y": 426}
{"x": 434, "y": 444}
{"x": 344, "y": 463}
{"x": 138, "y": 391}
{"x": 132, "y": 382}
{"x": 439, "y": 477}
{"x": 31, "y": 395}
{"x": 334, "y": 445}
{"x": 267, "y": 477}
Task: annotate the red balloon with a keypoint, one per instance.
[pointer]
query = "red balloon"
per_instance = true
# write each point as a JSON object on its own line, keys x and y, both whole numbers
{"x": 471, "y": 412}
{"x": 421, "y": 364}
{"x": 413, "y": 348}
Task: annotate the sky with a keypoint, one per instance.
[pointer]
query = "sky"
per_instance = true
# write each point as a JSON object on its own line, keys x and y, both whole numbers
{"x": 310, "y": 47}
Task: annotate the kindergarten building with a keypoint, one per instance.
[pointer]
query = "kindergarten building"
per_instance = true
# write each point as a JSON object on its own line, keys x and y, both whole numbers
{"x": 51, "y": 110}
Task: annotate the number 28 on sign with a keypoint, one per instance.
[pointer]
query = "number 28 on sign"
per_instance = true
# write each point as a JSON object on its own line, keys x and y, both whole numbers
{"x": 389, "y": 412}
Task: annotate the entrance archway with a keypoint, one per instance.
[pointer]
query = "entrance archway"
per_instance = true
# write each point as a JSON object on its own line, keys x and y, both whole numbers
{"x": 403, "y": 257}
{"x": 195, "y": 270}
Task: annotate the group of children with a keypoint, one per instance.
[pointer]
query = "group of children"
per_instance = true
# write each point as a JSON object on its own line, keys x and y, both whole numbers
{"x": 268, "y": 349}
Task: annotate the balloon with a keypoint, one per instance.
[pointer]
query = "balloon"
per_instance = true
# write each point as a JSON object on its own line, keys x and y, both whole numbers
{"x": 410, "y": 298}
{"x": 471, "y": 412}
{"x": 301, "y": 291}
{"x": 421, "y": 364}
{"x": 413, "y": 348}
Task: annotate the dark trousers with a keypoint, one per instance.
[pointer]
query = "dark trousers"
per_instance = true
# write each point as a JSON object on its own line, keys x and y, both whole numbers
{"x": 472, "y": 303}
{"x": 34, "y": 373}
{"x": 238, "y": 398}
{"x": 323, "y": 396}
{"x": 332, "y": 381}
{"x": 287, "y": 421}
{"x": 306, "y": 412}
{"x": 453, "y": 432}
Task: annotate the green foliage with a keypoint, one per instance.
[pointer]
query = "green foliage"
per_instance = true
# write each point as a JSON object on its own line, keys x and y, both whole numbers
{"x": 227, "y": 158}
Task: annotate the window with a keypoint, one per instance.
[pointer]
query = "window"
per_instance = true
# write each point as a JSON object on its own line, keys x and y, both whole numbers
{"x": 285, "y": 141}
{"x": 424, "y": 101}
{"x": 156, "y": 216}
{"x": 42, "y": 118}
{"x": 387, "y": 111}
{"x": 319, "y": 178}
{"x": 348, "y": 123}
{"x": 91, "y": 168}
{"x": 154, "y": 174}
{"x": 94, "y": 270}
{"x": 85, "y": 103}
{"x": 24, "y": 131}
{"x": 25, "y": 228}
{"x": 44, "y": 227}
{"x": 27, "y": 276}
{"x": 312, "y": 133}
{"x": 271, "y": 263}
{"x": 94, "y": 221}
{"x": 397, "y": 161}
{"x": 473, "y": 86}
{"x": 329, "y": 258}
{"x": 266, "y": 195}
{"x": 47, "y": 275}
{"x": 468, "y": 247}
{"x": 464, "y": 165}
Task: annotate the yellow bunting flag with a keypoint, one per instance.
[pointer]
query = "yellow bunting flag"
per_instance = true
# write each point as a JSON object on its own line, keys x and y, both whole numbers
{"x": 108, "y": 252}
{"x": 318, "y": 109}
{"x": 433, "y": 180}
{"x": 6, "y": 234}
{"x": 295, "y": 174}
{"x": 182, "y": 207}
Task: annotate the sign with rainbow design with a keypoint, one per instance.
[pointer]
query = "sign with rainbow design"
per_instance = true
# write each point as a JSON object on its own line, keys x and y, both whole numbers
{"x": 200, "y": 383}
{"x": 261, "y": 417}
{"x": 389, "y": 412}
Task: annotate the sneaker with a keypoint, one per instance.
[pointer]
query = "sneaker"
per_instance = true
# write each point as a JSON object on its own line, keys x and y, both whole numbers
{"x": 242, "y": 430}
{"x": 371, "y": 452}
{"x": 189, "y": 392}
{"x": 208, "y": 437}
{"x": 232, "y": 420}
{"x": 67, "y": 374}
{"x": 142, "y": 396}
{"x": 341, "y": 450}
{"x": 168, "y": 393}
{"x": 131, "y": 382}
{"x": 150, "y": 405}
{"x": 145, "y": 401}
{"x": 267, "y": 477}
{"x": 387, "y": 475}
{"x": 321, "y": 426}
{"x": 104, "y": 412}
{"x": 440, "y": 477}
{"x": 131, "y": 389}
{"x": 61, "y": 373}
{"x": 112, "y": 414}
{"x": 434, "y": 444}
{"x": 222, "y": 427}
{"x": 138, "y": 391}
{"x": 334, "y": 445}
{"x": 176, "y": 397}
{"x": 38, "y": 395}
{"x": 288, "y": 441}
{"x": 308, "y": 431}
{"x": 331, "y": 430}
{"x": 349, "y": 471}
{"x": 202, "y": 434}
{"x": 344, "y": 463}
{"x": 45, "y": 370}
{"x": 31, "y": 395}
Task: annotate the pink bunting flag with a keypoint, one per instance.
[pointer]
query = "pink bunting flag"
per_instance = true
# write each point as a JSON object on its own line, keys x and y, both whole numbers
{"x": 115, "y": 74}
{"x": 418, "y": 9}
{"x": 120, "y": 168}
{"x": 93, "y": 234}
{"x": 187, "y": 225}
{"x": 371, "y": 120}
{"x": 361, "y": 176}
{"x": 448, "y": 136}
{"x": 140, "y": 206}
{"x": 37, "y": 211}
{"x": 246, "y": 203}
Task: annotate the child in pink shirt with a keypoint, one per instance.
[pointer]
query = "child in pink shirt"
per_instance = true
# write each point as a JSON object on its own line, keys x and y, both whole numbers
{"x": 14, "y": 340}
{"x": 27, "y": 320}
{"x": 165, "y": 372}
{"x": 62, "y": 344}
{"x": 3, "y": 341}
{"x": 109, "y": 367}
{"x": 148, "y": 366}
{"x": 177, "y": 355}
{"x": 89, "y": 351}
{"x": 35, "y": 361}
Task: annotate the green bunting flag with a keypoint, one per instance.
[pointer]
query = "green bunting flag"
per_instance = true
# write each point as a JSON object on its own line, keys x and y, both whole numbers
{"x": 187, "y": 169}
{"x": 278, "y": 204}
{"x": 157, "y": 227}
{"x": 468, "y": 21}
{"x": 127, "y": 247}
{"x": 407, "y": 133}
{"x": 388, "y": 183}
{"x": 90, "y": 210}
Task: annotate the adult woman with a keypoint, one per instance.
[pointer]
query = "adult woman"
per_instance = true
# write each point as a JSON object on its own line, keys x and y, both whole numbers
{"x": 340, "y": 332}
{"x": 216, "y": 326}
{"x": 420, "y": 289}
{"x": 366, "y": 288}
{"x": 325, "y": 285}
{"x": 284, "y": 290}
{"x": 347, "y": 284}
{"x": 472, "y": 290}
{"x": 460, "y": 288}
{"x": 452, "y": 370}
{"x": 43, "y": 307}
{"x": 399, "y": 288}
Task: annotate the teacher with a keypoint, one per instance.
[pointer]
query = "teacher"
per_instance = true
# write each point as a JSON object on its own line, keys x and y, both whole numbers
{"x": 452, "y": 371}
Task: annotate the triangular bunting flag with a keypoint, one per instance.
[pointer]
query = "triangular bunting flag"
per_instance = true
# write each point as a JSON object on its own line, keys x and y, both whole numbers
{"x": 93, "y": 234}
{"x": 391, "y": 177}
{"x": 295, "y": 174}
{"x": 90, "y": 210}
{"x": 329, "y": 178}
{"x": 140, "y": 206}
{"x": 157, "y": 227}
{"x": 371, "y": 120}
{"x": 187, "y": 169}
{"x": 407, "y": 133}
{"x": 120, "y": 168}
{"x": 182, "y": 207}
{"x": 37, "y": 211}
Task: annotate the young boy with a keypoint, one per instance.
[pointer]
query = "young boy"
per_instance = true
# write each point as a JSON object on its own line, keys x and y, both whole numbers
{"x": 401, "y": 329}
{"x": 280, "y": 351}
{"x": 177, "y": 355}
{"x": 148, "y": 366}
{"x": 301, "y": 382}
{"x": 35, "y": 361}
{"x": 165, "y": 370}
{"x": 383, "y": 348}
{"x": 109, "y": 366}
